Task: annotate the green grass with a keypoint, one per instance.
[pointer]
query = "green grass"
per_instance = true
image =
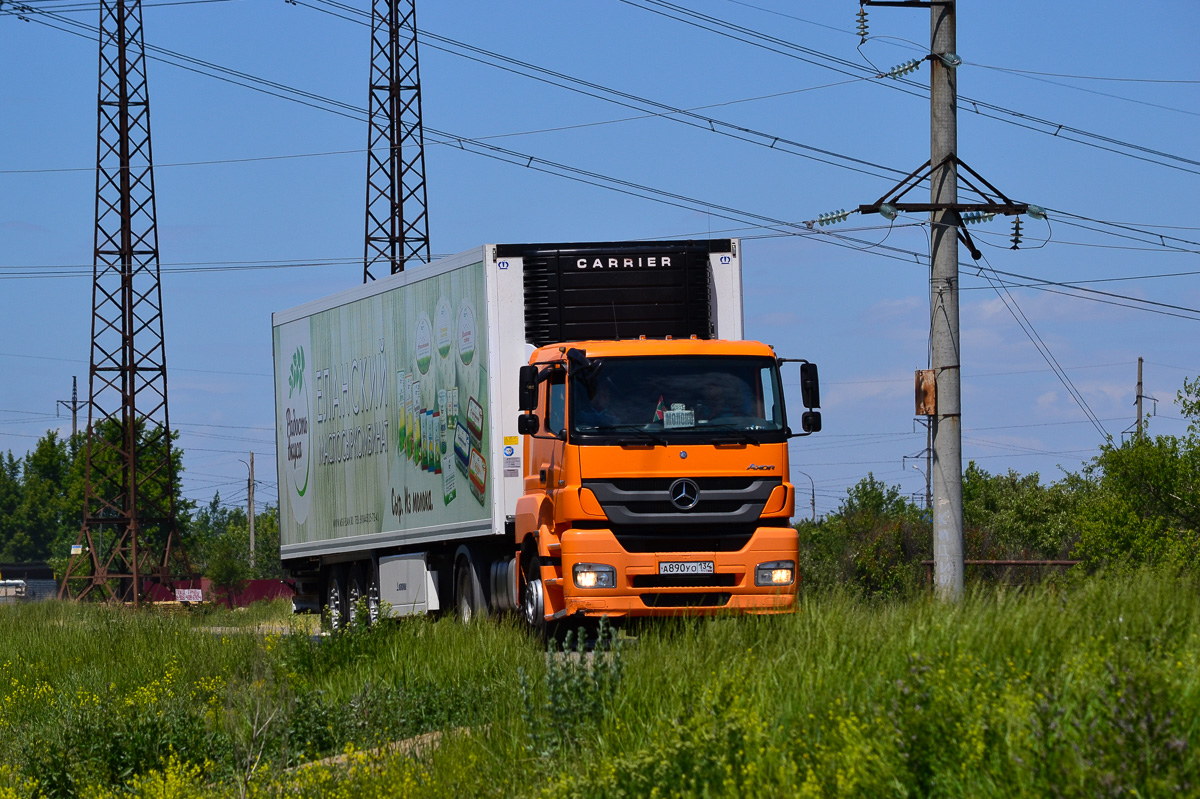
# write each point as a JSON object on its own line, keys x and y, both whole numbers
{"x": 1077, "y": 689}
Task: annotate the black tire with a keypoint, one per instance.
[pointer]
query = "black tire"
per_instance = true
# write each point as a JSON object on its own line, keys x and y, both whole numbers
{"x": 470, "y": 602}
{"x": 333, "y": 598}
{"x": 533, "y": 600}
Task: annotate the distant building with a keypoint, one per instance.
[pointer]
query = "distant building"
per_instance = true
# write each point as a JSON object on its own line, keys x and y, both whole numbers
{"x": 26, "y": 582}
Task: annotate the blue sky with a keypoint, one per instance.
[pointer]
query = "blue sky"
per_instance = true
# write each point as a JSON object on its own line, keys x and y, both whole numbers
{"x": 226, "y": 198}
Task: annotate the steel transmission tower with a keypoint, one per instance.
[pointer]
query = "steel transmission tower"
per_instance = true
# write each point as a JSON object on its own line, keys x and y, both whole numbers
{"x": 129, "y": 528}
{"x": 397, "y": 222}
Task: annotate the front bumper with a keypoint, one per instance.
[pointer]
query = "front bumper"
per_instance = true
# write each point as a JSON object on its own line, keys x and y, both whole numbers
{"x": 641, "y": 591}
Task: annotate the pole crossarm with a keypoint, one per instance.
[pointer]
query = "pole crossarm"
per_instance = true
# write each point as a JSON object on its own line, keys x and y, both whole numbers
{"x": 995, "y": 201}
{"x": 906, "y": 3}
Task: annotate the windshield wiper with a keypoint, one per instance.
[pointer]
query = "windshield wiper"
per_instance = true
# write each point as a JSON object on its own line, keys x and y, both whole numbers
{"x": 746, "y": 437}
{"x": 635, "y": 428}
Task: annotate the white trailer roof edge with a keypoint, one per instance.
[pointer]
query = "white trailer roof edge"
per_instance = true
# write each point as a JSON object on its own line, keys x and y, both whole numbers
{"x": 432, "y": 269}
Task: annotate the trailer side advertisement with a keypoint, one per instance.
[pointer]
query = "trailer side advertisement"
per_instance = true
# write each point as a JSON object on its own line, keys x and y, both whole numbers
{"x": 380, "y": 409}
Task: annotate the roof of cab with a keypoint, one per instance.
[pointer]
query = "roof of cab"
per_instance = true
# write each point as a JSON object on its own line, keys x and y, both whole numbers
{"x": 657, "y": 346}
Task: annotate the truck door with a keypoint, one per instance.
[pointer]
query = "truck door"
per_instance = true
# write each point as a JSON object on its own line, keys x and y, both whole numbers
{"x": 556, "y": 419}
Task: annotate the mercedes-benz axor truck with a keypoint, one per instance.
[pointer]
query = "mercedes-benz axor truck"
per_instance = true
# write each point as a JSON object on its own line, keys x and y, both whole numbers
{"x": 561, "y": 430}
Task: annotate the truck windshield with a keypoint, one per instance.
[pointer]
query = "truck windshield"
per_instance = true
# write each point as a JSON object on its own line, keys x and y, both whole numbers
{"x": 677, "y": 398}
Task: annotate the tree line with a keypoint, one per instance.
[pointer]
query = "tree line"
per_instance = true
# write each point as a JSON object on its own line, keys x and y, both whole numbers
{"x": 41, "y": 512}
{"x": 1135, "y": 503}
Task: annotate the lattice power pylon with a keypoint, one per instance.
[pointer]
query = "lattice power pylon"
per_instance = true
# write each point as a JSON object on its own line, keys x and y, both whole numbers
{"x": 129, "y": 524}
{"x": 397, "y": 221}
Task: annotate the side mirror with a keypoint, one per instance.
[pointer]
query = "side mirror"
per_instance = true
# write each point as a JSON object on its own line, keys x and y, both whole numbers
{"x": 810, "y": 422}
{"x": 528, "y": 379}
{"x": 810, "y": 388}
{"x": 578, "y": 358}
{"x": 528, "y": 424}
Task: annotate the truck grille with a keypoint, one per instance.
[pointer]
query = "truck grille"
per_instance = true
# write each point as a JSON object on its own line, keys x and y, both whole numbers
{"x": 682, "y": 539}
{"x": 705, "y": 599}
{"x": 721, "y": 501}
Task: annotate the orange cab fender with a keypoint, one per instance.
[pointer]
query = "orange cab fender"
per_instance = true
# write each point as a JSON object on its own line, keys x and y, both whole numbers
{"x": 532, "y": 512}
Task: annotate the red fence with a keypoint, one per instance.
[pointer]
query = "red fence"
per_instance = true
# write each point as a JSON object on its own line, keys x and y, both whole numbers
{"x": 928, "y": 564}
{"x": 204, "y": 591}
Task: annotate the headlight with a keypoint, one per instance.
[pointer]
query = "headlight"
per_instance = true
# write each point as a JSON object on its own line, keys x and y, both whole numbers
{"x": 775, "y": 573}
{"x": 594, "y": 575}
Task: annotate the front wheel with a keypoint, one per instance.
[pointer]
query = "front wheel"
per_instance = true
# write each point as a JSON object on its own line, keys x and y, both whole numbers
{"x": 533, "y": 602}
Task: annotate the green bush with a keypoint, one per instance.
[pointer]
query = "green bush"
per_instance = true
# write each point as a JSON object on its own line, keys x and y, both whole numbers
{"x": 874, "y": 542}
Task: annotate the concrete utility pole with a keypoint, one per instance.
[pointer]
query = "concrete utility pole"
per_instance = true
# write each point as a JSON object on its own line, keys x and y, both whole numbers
{"x": 1139, "y": 399}
{"x": 941, "y": 401}
{"x": 943, "y": 292}
{"x": 73, "y": 405}
{"x": 928, "y": 455}
{"x": 812, "y": 485}
{"x": 928, "y": 467}
{"x": 250, "y": 509}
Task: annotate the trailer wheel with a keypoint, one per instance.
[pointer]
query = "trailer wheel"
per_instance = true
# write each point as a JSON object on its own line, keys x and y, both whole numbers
{"x": 354, "y": 593}
{"x": 373, "y": 604}
{"x": 469, "y": 600}
{"x": 334, "y": 611}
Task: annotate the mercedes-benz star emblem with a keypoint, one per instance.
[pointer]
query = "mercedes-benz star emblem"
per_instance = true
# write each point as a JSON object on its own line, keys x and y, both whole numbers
{"x": 684, "y": 494}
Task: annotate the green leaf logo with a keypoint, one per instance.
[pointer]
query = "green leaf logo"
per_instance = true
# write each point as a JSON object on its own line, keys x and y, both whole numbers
{"x": 296, "y": 379}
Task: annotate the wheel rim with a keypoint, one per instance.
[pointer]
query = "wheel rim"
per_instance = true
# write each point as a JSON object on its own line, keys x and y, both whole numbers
{"x": 352, "y": 597}
{"x": 333, "y": 603}
{"x": 465, "y": 611}
{"x": 373, "y": 602}
{"x": 535, "y": 613}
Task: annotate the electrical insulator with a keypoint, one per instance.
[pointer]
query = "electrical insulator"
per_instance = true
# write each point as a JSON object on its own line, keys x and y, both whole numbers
{"x": 903, "y": 69}
{"x": 862, "y": 24}
{"x": 1016, "y": 234}
{"x": 975, "y": 217}
{"x": 833, "y": 217}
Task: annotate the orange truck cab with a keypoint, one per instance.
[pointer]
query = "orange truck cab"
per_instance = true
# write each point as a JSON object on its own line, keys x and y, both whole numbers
{"x": 656, "y": 479}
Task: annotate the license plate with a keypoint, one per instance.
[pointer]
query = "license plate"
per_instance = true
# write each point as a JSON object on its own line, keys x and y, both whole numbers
{"x": 685, "y": 567}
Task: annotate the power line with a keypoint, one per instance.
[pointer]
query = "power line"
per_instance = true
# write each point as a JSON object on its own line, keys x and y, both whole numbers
{"x": 573, "y": 173}
{"x": 1123, "y": 226}
{"x": 1010, "y": 116}
{"x": 1027, "y": 327}
{"x": 895, "y": 253}
{"x": 1096, "y": 92}
{"x": 908, "y": 377}
{"x": 210, "y": 162}
{"x": 597, "y": 91}
{"x": 76, "y": 7}
{"x": 1086, "y": 77}
{"x": 588, "y": 88}
{"x": 173, "y": 368}
{"x": 1039, "y": 282}
{"x": 282, "y": 91}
